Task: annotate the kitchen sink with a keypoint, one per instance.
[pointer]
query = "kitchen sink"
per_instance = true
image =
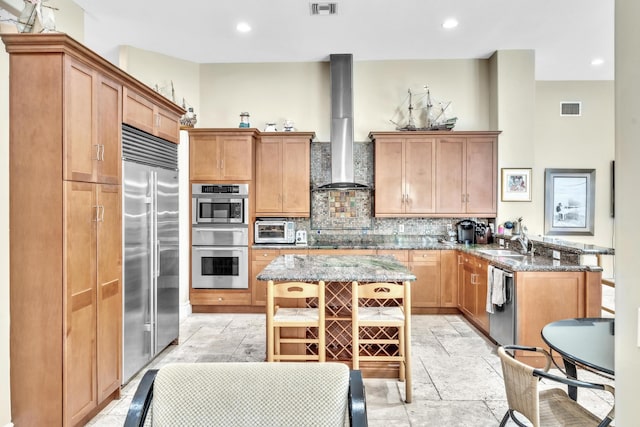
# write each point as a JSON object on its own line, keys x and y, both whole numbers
{"x": 501, "y": 252}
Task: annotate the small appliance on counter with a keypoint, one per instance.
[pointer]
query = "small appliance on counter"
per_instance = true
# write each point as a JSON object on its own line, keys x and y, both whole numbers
{"x": 466, "y": 231}
{"x": 301, "y": 237}
{"x": 274, "y": 231}
{"x": 483, "y": 234}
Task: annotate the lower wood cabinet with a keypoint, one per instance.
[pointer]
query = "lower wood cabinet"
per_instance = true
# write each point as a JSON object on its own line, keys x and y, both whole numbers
{"x": 260, "y": 258}
{"x": 472, "y": 290}
{"x": 92, "y": 322}
{"x": 425, "y": 291}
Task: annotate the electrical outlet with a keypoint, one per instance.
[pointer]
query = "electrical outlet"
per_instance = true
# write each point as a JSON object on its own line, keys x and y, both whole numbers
{"x": 501, "y": 243}
{"x": 556, "y": 255}
{"x": 400, "y": 228}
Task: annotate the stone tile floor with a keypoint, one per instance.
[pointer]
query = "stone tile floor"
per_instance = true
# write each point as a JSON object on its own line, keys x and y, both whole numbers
{"x": 456, "y": 372}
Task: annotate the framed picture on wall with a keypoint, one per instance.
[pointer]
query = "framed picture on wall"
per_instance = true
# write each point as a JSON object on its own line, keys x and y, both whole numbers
{"x": 569, "y": 201}
{"x": 516, "y": 185}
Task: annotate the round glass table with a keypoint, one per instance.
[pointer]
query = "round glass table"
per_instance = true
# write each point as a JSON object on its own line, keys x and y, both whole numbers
{"x": 586, "y": 342}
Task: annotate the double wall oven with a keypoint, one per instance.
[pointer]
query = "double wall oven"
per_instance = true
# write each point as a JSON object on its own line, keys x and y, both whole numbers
{"x": 220, "y": 236}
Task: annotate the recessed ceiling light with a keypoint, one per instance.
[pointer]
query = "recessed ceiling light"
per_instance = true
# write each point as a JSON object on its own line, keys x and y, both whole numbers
{"x": 450, "y": 23}
{"x": 597, "y": 61}
{"x": 243, "y": 27}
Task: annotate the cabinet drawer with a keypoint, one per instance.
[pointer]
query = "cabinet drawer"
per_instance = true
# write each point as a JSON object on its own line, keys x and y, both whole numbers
{"x": 264, "y": 254}
{"x": 215, "y": 297}
{"x": 403, "y": 256}
{"x": 424, "y": 256}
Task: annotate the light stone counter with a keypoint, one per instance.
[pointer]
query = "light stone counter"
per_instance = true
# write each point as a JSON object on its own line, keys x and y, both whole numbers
{"x": 338, "y": 268}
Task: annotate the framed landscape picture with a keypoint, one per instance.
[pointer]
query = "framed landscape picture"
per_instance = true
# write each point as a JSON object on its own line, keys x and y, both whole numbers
{"x": 569, "y": 201}
{"x": 516, "y": 185}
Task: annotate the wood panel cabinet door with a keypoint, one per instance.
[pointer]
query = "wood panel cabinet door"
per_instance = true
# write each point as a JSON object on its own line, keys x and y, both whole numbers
{"x": 425, "y": 291}
{"x": 296, "y": 176}
{"x": 93, "y": 118}
{"x": 468, "y": 291}
{"x": 481, "y": 173}
{"x": 389, "y": 177}
{"x": 283, "y": 175}
{"x": 235, "y": 157}
{"x": 269, "y": 171}
{"x": 109, "y": 289}
{"x": 450, "y": 175}
{"x": 419, "y": 175}
{"x": 448, "y": 278}
{"x": 80, "y": 214}
{"x": 204, "y": 157}
{"x": 260, "y": 258}
{"x": 481, "y": 286}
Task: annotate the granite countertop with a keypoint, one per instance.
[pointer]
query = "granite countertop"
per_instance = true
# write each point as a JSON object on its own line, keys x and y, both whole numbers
{"x": 412, "y": 242}
{"x": 338, "y": 268}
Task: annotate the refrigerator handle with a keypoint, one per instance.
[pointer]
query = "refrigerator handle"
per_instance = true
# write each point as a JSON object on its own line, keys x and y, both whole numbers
{"x": 157, "y": 258}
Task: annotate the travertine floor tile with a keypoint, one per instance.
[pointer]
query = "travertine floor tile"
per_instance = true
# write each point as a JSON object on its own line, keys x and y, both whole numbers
{"x": 457, "y": 378}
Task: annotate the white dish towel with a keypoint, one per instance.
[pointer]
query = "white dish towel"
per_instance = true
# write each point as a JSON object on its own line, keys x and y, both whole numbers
{"x": 495, "y": 291}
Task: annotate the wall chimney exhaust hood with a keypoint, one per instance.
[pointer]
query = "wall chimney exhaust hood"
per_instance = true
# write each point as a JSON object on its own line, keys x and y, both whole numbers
{"x": 341, "y": 75}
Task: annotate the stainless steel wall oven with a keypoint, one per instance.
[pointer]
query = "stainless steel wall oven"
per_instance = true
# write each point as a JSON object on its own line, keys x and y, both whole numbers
{"x": 220, "y": 236}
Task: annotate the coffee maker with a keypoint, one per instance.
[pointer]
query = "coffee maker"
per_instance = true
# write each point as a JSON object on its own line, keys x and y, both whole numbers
{"x": 466, "y": 231}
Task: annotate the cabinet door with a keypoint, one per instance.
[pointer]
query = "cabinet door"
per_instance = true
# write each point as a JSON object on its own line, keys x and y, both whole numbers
{"x": 109, "y": 130}
{"x": 260, "y": 258}
{"x": 235, "y": 157}
{"x": 204, "y": 158}
{"x": 448, "y": 279}
{"x": 269, "y": 171}
{"x": 79, "y": 275}
{"x": 109, "y": 289}
{"x": 481, "y": 175}
{"x": 389, "y": 177}
{"x": 468, "y": 290}
{"x": 481, "y": 285}
{"x": 137, "y": 111}
{"x": 81, "y": 150}
{"x": 296, "y": 176}
{"x": 167, "y": 125}
{"x": 450, "y": 175}
{"x": 419, "y": 176}
{"x": 425, "y": 291}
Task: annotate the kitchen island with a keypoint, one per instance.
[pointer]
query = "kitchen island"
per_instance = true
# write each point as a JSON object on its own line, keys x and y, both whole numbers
{"x": 338, "y": 272}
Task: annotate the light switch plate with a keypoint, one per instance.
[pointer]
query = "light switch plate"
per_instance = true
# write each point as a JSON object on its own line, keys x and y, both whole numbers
{"x": 400, "y": 228}
{"x": 556, "y": 254}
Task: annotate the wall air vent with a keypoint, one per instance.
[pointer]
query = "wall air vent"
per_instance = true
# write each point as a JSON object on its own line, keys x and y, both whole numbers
{"x": 571, "y": 108}
{"x": 324, "y": 8}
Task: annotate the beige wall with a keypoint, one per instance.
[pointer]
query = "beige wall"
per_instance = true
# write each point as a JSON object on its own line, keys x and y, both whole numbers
{"x": 69, "y": 19}
{"x": 301, "y": 92}
{"x": 627, "y": 124}
{"x": 575, "y": 142}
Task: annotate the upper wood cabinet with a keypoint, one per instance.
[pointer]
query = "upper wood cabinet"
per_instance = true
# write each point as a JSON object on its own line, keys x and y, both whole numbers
{"x": 144, "y": 114}
{"x": 283, "y": 174}
{"x": 404, "y": 175}
{"x": 466, "y": 175}
{"x": 92, "y": 116}
{"x": 435, "y": 173}
{"x": 221, "y": 154}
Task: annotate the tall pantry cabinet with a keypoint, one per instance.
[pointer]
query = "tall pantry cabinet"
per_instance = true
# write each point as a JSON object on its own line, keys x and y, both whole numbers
{"x": 65, "y": 229}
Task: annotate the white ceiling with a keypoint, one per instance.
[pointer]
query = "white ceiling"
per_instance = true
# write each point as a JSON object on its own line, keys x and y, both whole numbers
{"x": 566, "y": 35}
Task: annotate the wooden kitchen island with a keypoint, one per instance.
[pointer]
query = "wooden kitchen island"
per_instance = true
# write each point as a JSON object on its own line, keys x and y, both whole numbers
{"x": 338, "y": 272}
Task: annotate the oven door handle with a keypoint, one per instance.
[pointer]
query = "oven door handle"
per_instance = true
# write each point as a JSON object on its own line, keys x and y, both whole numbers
{"x": 213, "y": 230}
{"x": 220, "y": 248}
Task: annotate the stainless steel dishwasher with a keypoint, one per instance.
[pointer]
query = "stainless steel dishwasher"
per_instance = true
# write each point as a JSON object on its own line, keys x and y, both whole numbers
{"x": 502, "y": 322}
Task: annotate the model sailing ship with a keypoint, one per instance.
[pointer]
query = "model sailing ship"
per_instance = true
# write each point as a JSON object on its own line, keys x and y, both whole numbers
{"x": 434, "y": 116}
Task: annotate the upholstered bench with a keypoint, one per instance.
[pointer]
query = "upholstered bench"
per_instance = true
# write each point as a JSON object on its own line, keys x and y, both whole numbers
{"x": 249, "y": 394}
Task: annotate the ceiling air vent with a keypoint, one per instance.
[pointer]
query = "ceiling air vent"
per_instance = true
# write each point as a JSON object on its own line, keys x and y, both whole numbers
{"x": 324, "y": 8}
{"x": 571, "y": 108}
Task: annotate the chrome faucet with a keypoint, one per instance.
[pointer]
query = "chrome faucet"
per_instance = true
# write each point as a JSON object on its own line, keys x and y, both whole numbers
{"x": 523, "y": 240}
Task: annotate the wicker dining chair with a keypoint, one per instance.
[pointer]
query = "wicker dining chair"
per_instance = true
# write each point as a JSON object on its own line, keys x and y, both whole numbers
{"x": 548, "y": 408}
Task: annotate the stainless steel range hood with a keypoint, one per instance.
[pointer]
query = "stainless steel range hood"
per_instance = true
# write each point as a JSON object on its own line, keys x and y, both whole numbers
{"x": 341, "y": 74}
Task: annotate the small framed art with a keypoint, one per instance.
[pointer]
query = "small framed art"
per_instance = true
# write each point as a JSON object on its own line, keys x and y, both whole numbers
{"x": 516, "y": 185}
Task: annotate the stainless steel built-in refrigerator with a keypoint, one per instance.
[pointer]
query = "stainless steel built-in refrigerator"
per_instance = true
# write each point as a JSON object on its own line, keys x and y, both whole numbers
{"x": 150, "y": 240}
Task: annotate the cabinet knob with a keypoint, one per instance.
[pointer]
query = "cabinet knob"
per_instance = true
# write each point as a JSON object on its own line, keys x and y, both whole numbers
{"x": 219, "y": 298}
